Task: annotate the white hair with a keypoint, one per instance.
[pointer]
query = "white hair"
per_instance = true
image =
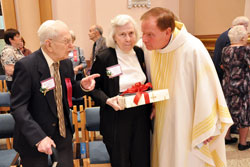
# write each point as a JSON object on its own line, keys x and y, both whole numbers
{"x": 73, "y": 36}
{"x": 120, "y": 20}
{"x": 237, "y": 33}
{"x": 50, "y": 30}
{"x": 240, "y": 20}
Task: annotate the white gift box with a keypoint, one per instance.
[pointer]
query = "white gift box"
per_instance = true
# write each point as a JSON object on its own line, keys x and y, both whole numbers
{"x": 127, "y": 101}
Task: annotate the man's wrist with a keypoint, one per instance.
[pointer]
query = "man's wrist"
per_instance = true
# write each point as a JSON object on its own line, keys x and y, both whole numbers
{"x": 85, "y": 90}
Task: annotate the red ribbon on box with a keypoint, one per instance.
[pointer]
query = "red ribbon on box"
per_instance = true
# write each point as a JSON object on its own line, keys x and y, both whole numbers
{"x": 139, "y": 89}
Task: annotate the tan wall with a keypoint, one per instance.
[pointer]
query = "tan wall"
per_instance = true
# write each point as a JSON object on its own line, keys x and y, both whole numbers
{"x": 79, "y": 15}
{"x": 215, "y": 16}
{"x": 28, "y": 22}
{"x": 200, "y": 16}
{"x": 247, "y": 11}
{"x": 115, "y": 7}
{"x": 187, "y": 14}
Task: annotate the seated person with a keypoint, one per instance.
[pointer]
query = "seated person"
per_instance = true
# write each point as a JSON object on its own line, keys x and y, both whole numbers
{"x": 78, "y": 59}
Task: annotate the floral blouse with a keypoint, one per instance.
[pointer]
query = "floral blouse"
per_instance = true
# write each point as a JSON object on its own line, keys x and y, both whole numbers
{"x": 10, "y": 55}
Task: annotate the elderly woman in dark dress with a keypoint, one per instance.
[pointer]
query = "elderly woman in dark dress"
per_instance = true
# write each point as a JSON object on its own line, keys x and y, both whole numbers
{"x": 126, "y": 132}
{"x": 236, "y": 83}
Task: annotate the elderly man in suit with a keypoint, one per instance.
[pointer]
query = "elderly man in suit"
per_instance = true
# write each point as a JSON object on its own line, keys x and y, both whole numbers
{"x": 95, "y": 34}
{"x": 43, "y": 85}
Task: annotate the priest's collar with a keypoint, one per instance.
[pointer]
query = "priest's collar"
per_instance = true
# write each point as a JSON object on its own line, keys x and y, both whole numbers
{"x": 177, "y": 38}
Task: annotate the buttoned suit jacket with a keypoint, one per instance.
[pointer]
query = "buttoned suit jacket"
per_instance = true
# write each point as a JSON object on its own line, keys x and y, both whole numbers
{"x": 35, "y": 113}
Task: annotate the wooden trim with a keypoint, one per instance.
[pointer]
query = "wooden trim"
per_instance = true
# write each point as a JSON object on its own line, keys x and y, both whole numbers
{"x": 45, "y": 10}
{"x": 9, "y": 14}
{"x": 209, "y": 40}
{"x": 3, "y": 86}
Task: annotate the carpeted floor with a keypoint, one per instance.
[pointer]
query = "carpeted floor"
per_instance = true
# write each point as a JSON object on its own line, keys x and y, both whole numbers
{"x": 236, "y": 158}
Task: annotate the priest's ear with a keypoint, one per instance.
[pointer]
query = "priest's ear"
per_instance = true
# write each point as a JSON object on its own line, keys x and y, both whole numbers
{"x": 168, "y": 31}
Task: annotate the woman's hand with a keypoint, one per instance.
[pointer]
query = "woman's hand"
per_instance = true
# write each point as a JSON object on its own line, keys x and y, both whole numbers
{"x": 113, "y": 102}
{"x": 9, "y": 69}
{"x": 153, "y": 112}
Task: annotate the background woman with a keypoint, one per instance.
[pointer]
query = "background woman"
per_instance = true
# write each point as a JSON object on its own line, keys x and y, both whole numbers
{"x": 78, "y": 60}
{"x": 23, "y": 49}
{"x": 125, "y": 132}
{"x": 236, "y": 83}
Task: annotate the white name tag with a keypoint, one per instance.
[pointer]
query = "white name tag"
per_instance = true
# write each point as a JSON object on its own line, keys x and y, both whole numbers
{"x": 48, "y": 84}
{"x": 114, "y": 71}
{"x": 71, "y": 54}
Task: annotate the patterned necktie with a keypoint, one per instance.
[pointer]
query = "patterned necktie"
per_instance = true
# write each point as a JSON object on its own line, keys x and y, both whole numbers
{"x": 58, "y": 99}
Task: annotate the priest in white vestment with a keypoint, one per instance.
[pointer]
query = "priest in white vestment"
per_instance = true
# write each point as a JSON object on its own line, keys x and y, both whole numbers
{"x": 190, "y": 127}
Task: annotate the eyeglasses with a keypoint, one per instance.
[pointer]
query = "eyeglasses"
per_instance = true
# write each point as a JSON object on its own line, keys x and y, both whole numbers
{"x": 65, "y": 41}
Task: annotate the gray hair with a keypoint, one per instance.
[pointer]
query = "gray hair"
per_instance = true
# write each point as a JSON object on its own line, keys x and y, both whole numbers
{"x": 240, "y": 20}
{"x": 120, "y": 20}
{"x": 73, "y": 36}
{"x": 237, "y": 33}
{"x": 50, "y": 30}
{"x": 99, "y": 29}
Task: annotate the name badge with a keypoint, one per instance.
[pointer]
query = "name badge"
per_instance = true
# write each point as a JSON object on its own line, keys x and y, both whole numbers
{"x": 114, "y": 71}
{"x": 48, "y": 84}
{"x": 71, "y": 54}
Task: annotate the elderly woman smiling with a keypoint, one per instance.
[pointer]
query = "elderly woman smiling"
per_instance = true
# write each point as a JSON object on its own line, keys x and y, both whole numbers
{"x": 125, "y": 131}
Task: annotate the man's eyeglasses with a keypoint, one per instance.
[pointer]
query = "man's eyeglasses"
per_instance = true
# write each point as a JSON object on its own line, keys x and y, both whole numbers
{"x": 65, "y": 41}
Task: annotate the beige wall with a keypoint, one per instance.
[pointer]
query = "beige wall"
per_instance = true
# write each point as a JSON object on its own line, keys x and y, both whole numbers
{"x": 105, "y": 14}
{"x": 28, "y": 21}
{"x": 215, "y": 16}
{"x": 187, "y": 14}
{"x": 247, "y": 11}
{"x": 79, "y": 15}
{"x": 200, "y": 16}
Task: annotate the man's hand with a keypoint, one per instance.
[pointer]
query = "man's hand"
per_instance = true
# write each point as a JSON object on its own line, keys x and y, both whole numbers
{"x": 45, "y": 144}
{"x": 113, "y": 102}
{"x": 9, "y": 69}
{"x": 88, "y": 82}
{"x": 208, "y": 140}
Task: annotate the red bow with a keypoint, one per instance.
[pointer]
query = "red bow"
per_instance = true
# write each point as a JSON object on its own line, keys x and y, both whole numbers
{"x": 139, "y": 89}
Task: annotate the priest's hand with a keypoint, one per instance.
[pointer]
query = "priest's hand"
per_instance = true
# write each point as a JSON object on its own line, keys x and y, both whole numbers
{"x": 45, "y": 144}
{"x": 208, "y": 140}
{"x": 88, "y": 83}
{"x": 113, "y": 102}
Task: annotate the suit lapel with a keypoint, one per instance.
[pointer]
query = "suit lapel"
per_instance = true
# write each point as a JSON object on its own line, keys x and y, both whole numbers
{"x": 44, "y": 71}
